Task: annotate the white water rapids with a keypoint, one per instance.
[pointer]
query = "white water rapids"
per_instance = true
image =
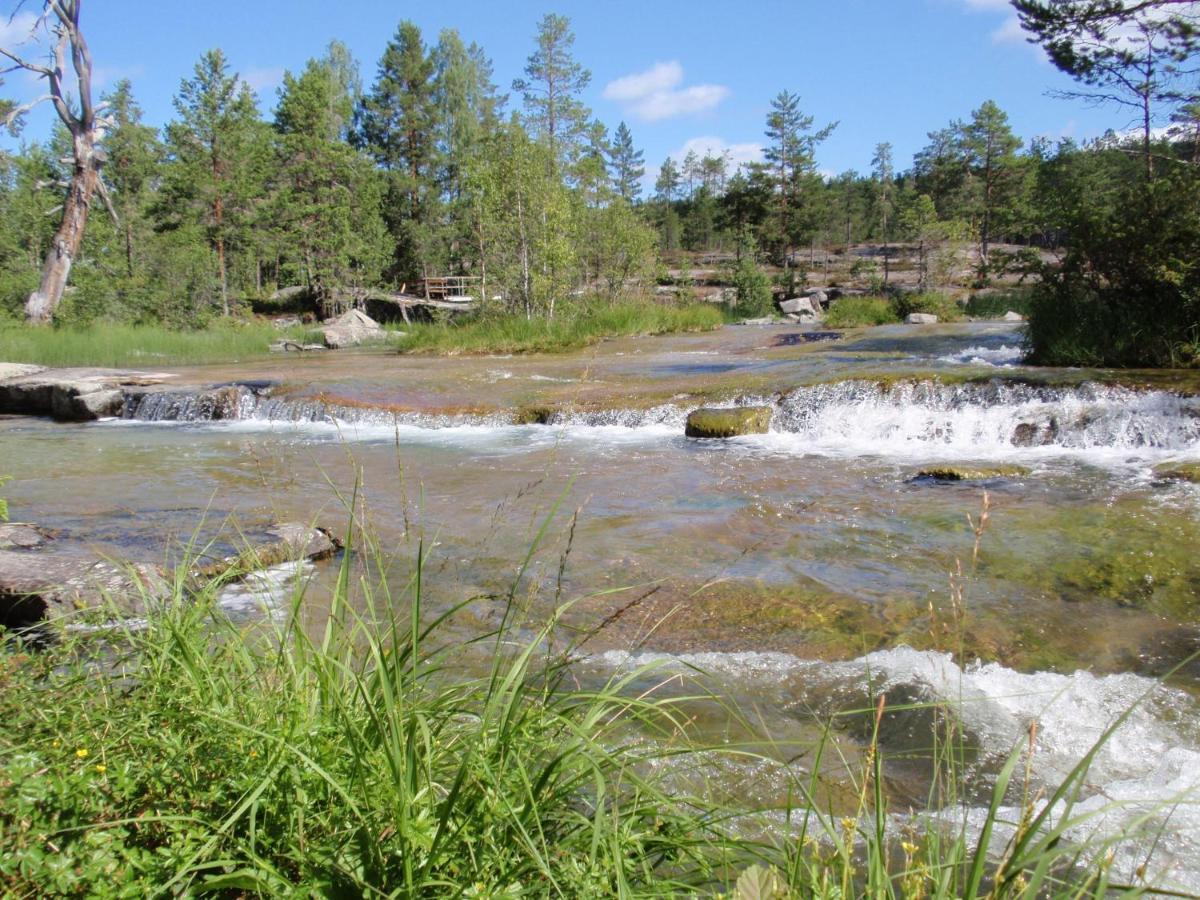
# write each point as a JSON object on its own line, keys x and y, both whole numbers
{"x": 1141, "y": 793}
{"x": 909, "y": 419}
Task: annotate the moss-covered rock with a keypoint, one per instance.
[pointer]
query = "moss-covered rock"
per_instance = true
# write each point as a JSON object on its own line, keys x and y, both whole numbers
{"x": 1178, "y": 472}
{"x": 710, "y": 422}
{"x": 535, "y": 415}
{"x": 971, "y": 473}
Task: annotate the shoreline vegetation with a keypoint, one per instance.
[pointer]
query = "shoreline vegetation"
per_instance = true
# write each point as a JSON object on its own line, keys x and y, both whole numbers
{"x": 146, "y": 346}
{"x": 541, "y": 209}
{"x": 364, "y": 754}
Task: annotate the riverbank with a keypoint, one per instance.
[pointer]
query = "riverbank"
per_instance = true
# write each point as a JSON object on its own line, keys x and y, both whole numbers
{"x": 122, "y": 346}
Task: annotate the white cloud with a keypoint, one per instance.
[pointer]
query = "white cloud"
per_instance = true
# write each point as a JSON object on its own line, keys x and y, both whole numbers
{"x": 660, "y": 77}
{"x": 107, "y": 76}
{"x": 657, "y": 93}
{"x": 1010, "y": 32}
{"x": 738, "y": 154}
{"x": 18, "y": 29}
{"x": 261, "y": 80}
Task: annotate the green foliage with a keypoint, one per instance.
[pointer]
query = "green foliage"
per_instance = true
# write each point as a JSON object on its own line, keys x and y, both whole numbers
{"x": 1127, "y": 292}
{"x": 587, "y": 324}
{"x": 753, "y": 286}
{"x": 853, "y": 312}
{"x": 328, "y": 201}
{"x": 551, "y": 87}
{"x": 946, "y": 308}
{"x": 4, "y": 502}
{"x": 994, "y": 304}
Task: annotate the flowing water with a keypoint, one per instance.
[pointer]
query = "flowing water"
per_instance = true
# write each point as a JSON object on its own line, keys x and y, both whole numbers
{"x": 802, "y": 571}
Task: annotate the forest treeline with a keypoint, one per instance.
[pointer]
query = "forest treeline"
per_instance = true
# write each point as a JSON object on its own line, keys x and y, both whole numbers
{"x": 432, "y": 169}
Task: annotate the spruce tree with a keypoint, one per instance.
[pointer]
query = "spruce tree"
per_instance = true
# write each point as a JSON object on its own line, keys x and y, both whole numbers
{"x": 628, "y": 164}
{"x": 134, "y": 157}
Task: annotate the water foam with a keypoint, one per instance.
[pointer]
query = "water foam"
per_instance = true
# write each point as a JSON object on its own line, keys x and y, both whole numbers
{"x": 913, "y": 419}
{"x": 1005, "y": 356}
{"x": 1144, "y": 779}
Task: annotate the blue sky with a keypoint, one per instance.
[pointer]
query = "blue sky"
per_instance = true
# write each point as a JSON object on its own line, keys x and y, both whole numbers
{"x": 698, "y": 74}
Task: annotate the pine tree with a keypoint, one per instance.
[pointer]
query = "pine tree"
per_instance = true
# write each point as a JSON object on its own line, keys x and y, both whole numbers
{"x": 990, "y": 150}
{"x": 400, "y": 129}
{"x": 1131, "y": 53}
{"x": 551, "y": 87}
{"x": 468, "y": 110}
{"x": 666, "y": 186}
{"x": 628, "y": 164}
{"x": 328, "y": 203}
{"x": 134, "y": 156}
{"x": 790, "y": 156}
{"x": 210, "y": 177}
{"x": 883, "y": 175}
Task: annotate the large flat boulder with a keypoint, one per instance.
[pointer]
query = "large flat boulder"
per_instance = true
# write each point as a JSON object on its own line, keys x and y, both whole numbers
{"x": 712, "y": 422}
{"x": 800, "y": 306}
{"x": 51, "y": 584}
{"x": 70, "y": 395}
{"x": 351, "y": 329}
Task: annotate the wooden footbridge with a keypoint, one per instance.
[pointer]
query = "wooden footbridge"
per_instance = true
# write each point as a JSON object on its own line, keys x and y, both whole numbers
{"x": 449, "y": 293}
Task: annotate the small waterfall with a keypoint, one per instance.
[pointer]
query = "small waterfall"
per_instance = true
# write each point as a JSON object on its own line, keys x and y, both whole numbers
{"x": 845, "y": 417}
{"x": 994, "y": 416}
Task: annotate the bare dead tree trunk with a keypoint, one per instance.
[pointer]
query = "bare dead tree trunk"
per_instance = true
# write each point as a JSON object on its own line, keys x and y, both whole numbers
{"x": 86, "y": 129}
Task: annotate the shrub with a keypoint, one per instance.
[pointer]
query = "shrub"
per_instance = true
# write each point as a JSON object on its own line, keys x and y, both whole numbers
{"x": 946, "y": 308}
{"x": 851, "y": 312}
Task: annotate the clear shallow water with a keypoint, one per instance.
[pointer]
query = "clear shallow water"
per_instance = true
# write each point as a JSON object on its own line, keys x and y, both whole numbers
{"x": 795, "y": 568}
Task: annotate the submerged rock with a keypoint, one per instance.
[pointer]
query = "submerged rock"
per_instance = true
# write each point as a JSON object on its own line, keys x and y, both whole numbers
{"x": 1181, "y": 471}
{"x": 710, "y": 422}
{"x": 1035, "y": 434}
{"x": 535, "y": 415}
{"x": 970, "y": 473}
{"x": 22, "y": 536}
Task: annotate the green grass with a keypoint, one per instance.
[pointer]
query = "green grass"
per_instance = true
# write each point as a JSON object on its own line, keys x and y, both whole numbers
{"x": 852, "y": 312}
{"x": 141, "y": 346}
{"x": 363, "y": 758}
{"x": 570, "y": 331}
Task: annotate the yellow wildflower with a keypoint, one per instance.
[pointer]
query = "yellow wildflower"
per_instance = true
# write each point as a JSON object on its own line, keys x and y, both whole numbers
{"x": 908, "y": 847}
{"x": 81, "y": 753}
{"x": 101, "y": 768}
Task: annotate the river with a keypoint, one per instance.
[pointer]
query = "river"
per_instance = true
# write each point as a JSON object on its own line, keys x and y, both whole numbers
{"x": 793, "y": 568}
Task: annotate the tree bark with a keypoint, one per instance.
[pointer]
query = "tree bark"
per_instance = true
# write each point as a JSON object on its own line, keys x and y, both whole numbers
{"x": 40, "y": 307}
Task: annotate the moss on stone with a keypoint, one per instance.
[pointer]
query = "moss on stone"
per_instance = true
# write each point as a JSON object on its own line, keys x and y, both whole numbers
{"x": 1178, "y": 472}
{"x": 710, "y": 422}
{"x": 972, "y": 473}
{"x": 534, "y": 415}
